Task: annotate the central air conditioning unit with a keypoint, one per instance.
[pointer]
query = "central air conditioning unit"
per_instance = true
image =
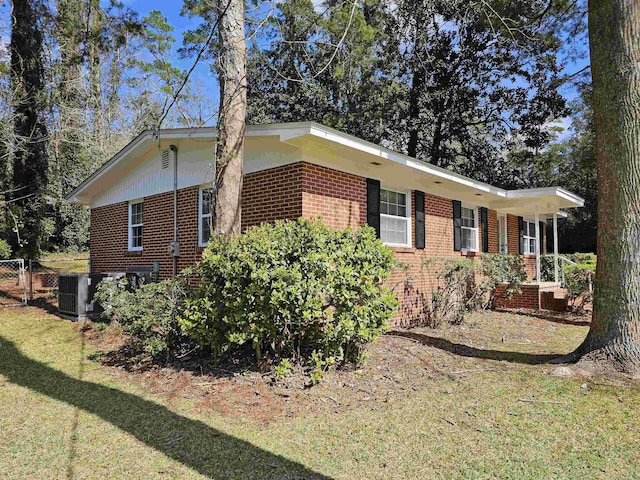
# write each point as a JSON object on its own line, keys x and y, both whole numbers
{"x": 137, "y": 276}
{"x": 76, "y": 292}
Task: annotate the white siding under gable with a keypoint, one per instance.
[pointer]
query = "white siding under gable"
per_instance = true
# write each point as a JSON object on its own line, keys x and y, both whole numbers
{"x": 194, "y": 162}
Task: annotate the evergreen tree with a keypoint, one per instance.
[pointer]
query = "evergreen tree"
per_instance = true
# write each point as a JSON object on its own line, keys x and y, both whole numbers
{"x": 31, "y": 159}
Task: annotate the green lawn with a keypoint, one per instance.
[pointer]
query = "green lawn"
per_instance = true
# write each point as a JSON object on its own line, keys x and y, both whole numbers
{"x": 63, "y": 415}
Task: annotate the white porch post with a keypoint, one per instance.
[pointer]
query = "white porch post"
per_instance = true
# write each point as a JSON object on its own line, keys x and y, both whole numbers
{"x": 537, "y": 220}
{"x": 555, "y": 248}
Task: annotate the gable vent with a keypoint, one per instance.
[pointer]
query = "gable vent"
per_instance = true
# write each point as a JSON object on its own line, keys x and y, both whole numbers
{"x": 165, "y": 158}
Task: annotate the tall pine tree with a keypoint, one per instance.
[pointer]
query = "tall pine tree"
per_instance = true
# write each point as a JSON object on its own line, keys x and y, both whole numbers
{"x": 31, "y": 160}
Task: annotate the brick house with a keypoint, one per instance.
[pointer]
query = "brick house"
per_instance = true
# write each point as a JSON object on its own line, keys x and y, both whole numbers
{"x": 305, "y": 170}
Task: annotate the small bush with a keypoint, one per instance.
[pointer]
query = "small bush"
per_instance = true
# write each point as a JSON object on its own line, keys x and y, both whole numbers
{"x": 448, "y": 300}
{"x": 461, "y": 286}
{"x": 295, "y": 290}
{"x": 578, "y": 280}
{"x": 547, "y": 263}
{"x": 499, "y": 269}
{"x": 5, "y": 250}
{"x": 149, "y": 313}
{"x": 283, "y": 368}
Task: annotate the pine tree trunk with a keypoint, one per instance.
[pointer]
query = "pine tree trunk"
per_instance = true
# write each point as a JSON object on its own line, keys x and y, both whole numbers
{"x": 614, "y": 38}
{"x": 233, "y": 111}
{"x": 418, "y": 81}
{"x": 94, "y": 27}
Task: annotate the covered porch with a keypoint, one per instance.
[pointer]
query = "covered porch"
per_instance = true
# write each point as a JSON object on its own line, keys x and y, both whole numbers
{"x": 528, "y": 212}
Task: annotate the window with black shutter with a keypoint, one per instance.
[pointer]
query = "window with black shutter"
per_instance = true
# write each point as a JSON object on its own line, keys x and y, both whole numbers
{"x": 373, "y": 204}
{"x": 484, "y": 220}
{"x": 457, "y": 225}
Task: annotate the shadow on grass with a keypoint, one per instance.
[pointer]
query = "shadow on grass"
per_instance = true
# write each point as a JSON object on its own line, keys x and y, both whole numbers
{"x": 193, "y": 443}
{"x": 467, "y": 351}
{"x": 550, "y": 317}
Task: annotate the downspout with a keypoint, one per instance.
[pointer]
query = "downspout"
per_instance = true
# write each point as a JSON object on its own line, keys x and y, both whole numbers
{"x": 174, "y": 149}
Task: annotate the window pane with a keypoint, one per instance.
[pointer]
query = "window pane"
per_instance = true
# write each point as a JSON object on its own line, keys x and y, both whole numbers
{"x": 136, "y": 237}
{"x": 393, "y": 203}
{"x": 206, "y": 229}
{"x": 469, "y": 238}
{"x": 393, "y": 230}
{"x": 136, "y": 213}
{"x": 207, "y": 201}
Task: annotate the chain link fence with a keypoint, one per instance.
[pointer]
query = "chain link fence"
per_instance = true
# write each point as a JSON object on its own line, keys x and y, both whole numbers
{"x": 42, "y": 275}
{"x": 13, "y": 283}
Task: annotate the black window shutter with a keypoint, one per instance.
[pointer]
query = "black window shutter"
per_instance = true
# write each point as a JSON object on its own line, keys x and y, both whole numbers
{"x": 457, "y": 225}
{"x": 521, "y": 229}
{"x": 373, "y": 204}
{"x": 420, "y": 227}
{"x": 484, "y": 220}
{"x": 541, "y": 246}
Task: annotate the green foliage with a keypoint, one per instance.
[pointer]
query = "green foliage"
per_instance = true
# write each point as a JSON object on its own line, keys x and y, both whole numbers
{"x": 578, "y": 280}
{"x": 449, "y": 300}
{"x": 400, "y": 76}
{"x": 5, "y": 250}
{"x": 461, "y": 286}
{"x": 571, "y": 162}
{"x": 499, "y": 269}
{"x": 293, "y": 290}
{"x": 148, "y": 313}
{"x": 283, "y": 368}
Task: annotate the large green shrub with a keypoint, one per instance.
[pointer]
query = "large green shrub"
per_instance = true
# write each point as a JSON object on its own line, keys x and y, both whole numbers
{"x": 149, "y": 313}
{"x": 293, "y": 290}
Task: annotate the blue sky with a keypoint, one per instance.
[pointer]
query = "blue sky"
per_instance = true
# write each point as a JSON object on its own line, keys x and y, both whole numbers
{"x": 171, "y": 9}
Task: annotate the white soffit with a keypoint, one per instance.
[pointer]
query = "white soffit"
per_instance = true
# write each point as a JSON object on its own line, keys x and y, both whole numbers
{"x": 299, "y": 134}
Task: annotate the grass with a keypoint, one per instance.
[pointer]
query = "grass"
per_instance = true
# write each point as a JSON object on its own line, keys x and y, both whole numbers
{"x": 65, "y": 262}
{"x": 63, "y": 415}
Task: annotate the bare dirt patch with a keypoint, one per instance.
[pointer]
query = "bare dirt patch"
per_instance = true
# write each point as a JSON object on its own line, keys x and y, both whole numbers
{"x": 398, "y": 363}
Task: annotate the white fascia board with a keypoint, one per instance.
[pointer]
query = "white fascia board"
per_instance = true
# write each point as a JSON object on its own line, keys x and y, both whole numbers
{"x": 75, "y": 195}
{"x": 335, "y": 136}
{"x": 290, "y": 131}
{"x": 547, "y": 191}
{"x": 164, "y": 134}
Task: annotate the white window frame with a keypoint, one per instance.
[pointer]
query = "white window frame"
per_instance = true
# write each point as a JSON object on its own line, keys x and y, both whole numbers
{"x": 202, "y": 216}
{"x": 506, "y": 235}
{"x": 133, "y": 225}
{"x": 526, "y": 238}
{"x": 474, "y": 229}
{"x": 407, "y": 217}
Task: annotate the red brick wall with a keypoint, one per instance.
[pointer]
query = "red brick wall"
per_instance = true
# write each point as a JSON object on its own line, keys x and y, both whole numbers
{"x": 339, "y": 198}
{"x": 529, "y": 298}
{"x": 493, "y": 231}
{"x": 109, "y": 238}
{"x": 273, "y": 194}
{"x": 513, "y": 234}
{"x": 286, "y": 192}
